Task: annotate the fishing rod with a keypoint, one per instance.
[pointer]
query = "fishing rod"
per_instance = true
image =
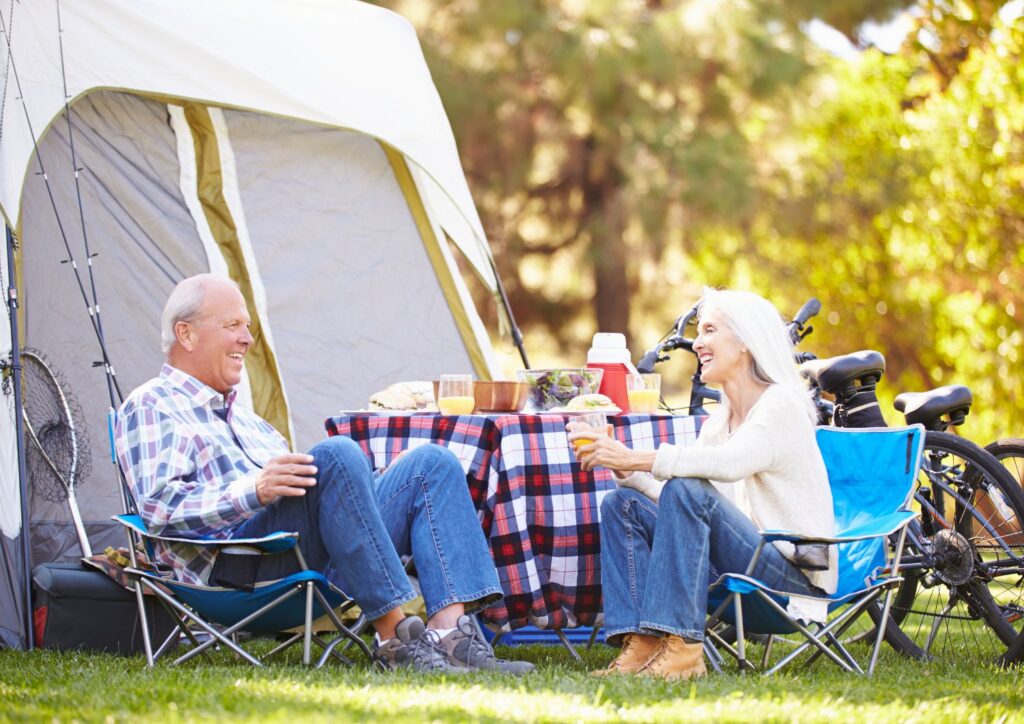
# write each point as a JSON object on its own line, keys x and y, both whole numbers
{"x": 113, "y": 387}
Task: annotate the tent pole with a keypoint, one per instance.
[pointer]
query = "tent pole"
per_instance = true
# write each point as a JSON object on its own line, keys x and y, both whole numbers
{"x": 517, "y": 336}
{"x": 12, "y": 302}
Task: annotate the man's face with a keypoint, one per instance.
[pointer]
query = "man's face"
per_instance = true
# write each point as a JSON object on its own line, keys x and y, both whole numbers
{"x": 218, "y": 338}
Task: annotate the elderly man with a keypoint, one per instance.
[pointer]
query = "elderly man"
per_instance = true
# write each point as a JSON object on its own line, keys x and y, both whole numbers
{"x": 201, "y": 465}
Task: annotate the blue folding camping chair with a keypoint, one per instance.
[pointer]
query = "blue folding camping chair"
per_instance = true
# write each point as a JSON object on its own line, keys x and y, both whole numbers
{"x": 871, "y": 474}
{"x": 271, "y": 607}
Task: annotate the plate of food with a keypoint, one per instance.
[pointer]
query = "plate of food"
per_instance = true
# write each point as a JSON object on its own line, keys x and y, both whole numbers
{"x": 403, "y": 398}
{"x": 584, "y": 404}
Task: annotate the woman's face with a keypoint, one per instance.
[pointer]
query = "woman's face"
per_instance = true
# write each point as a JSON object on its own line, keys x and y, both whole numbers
{"x": 721, "y": 354}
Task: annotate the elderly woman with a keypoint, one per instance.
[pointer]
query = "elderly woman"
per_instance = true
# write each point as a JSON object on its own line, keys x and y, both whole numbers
{"x": 682, "y": 516}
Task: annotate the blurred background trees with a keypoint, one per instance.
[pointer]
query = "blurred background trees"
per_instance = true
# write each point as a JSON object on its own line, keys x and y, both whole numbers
{"x": 625, "y": 153}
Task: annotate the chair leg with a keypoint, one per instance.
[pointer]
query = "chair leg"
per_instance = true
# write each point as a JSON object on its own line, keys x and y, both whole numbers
{"x": 769, "y": 644}
{"x": 344, "y": 630}
{"x": 215, "y": 635}
{"x": 741, "y": 644}
{"x": 144, "y": 620}
{"x": 171, "y": 637}
{"x": 182, "y": 628}
{"x": 593, "y": 636}
{"x": 329, "y": 651}
{"x": 282, "y": 646}
{"x": 882, "y": 624}
{"x": 714, "y": 657}
{"x": 308, "y": 633}
{"x": 843, "y": 652}
{"x": 568, "y": 644}
{"x": 810, "y": 639}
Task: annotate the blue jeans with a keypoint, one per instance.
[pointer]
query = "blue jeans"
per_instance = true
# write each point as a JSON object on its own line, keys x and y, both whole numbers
{"x": 658, "y": 583}
{"x": 354, "y": 527}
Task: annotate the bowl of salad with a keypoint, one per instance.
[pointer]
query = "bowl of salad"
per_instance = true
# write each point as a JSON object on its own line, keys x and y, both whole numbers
{"x": 551, "y": 389}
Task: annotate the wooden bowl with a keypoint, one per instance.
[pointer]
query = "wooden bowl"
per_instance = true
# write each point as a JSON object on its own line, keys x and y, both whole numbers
{"x": 500, "y": 395}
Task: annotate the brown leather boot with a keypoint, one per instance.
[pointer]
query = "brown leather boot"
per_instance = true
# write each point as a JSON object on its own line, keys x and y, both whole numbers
{"x": 675, "y": 660}
{"x": 636, "y": 649}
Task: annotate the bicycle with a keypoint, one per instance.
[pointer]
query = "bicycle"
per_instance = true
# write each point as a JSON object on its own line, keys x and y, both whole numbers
{"x": 1010, "y": 453}
{"x": 961, "y": 565}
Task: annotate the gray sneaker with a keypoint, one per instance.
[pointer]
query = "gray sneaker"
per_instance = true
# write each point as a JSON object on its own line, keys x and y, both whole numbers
{"x": 465, "y": 646}
{"x": 416, "y": 648}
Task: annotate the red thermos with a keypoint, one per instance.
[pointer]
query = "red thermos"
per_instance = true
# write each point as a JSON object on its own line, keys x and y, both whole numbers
{"x": 608, "y": 352}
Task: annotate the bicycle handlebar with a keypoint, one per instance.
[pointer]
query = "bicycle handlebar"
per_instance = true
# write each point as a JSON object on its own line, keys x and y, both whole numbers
{"x": 655, "y": 355}
{"x": 678, "y": 340}
{"x": 810, "y": 309}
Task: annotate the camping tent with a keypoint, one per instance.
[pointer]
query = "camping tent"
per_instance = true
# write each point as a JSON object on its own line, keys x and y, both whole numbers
{"x": 300, "y": 147}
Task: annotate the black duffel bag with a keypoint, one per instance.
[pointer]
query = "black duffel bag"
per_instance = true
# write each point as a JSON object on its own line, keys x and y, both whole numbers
{"x": 81, "y": 608}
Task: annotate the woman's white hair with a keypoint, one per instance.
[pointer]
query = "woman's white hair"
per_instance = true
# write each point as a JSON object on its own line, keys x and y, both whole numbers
{"x": 184, "y": 305}
{"x": 758, "y": 325}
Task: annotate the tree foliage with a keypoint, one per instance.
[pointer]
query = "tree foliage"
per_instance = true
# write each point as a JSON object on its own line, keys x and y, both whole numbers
{"x": 623, "y": 154}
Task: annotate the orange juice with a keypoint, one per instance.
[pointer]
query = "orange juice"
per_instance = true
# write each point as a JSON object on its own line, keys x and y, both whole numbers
{"x": 643, "y": 400}
{"x": 456, "y": 405}
{"x": 581, "y": 442}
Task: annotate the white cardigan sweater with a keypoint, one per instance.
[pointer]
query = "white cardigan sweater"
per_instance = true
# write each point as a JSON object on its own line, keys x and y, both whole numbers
{"x": 769, "y": 466}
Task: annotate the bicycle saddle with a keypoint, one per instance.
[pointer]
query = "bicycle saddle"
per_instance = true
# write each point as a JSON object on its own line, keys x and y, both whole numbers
{"x": 929, "y": 407}
{"x": 835, "y": 373}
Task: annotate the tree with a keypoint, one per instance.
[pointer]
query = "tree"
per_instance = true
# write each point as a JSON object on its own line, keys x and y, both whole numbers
{"x": 595, "y": 134}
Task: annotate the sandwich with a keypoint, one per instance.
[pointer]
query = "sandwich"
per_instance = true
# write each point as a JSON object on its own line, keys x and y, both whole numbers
{"x": 416, "y": 395}
{"x": 586, "y": 403}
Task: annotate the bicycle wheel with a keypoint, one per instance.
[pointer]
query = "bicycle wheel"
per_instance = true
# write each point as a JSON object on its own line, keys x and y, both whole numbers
{"x": 1010, "y": 453}
{"x": 961, "y": 564}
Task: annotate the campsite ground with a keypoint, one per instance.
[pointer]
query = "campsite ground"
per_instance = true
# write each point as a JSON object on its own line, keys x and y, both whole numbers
{"x": 45, "y": 686}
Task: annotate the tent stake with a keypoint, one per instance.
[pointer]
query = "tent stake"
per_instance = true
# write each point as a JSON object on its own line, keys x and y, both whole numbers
{"x": 12, "y": 301}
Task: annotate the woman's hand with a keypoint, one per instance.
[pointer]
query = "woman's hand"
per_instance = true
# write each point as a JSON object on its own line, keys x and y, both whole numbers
{"x": 606, "y": 451}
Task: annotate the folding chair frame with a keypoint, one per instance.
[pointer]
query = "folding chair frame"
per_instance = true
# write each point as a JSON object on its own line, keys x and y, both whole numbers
{"x": 144, "y": 580}
{"x": 825, "y": 636}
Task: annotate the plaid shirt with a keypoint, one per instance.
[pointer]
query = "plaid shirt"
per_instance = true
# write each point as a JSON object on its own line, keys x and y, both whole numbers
{"x": 192, "y": 458}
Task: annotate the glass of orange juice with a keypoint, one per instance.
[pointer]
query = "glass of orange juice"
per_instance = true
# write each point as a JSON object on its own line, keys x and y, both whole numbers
{"x": 644, "y": 392}
{"x": 597, "y": 421}
{"x": 455, "y": 395}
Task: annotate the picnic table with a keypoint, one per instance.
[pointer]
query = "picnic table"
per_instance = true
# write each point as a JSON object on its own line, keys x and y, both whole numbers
{"x": 538, "y": 509}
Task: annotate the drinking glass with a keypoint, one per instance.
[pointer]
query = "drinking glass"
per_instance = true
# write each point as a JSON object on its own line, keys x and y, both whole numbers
{"x": 455, "y": 395}
{"x": 598, "y": 421}
{"x": 644, "y": 392}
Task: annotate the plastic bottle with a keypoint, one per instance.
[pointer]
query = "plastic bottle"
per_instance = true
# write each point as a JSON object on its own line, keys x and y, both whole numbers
{"x": 608, "y": 352}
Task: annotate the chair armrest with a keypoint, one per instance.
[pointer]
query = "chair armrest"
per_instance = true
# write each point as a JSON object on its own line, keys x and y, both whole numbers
{"x": 877, "y": 528}
{"x": 271, "y": 543}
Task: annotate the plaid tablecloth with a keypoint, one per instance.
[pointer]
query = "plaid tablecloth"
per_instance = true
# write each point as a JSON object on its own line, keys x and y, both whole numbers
{"x": 538, "y": 510}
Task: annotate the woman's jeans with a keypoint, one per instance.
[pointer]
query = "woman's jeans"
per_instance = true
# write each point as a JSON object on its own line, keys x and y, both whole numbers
{"x": 354, "y": 527}
{"x": 658, "y": 583}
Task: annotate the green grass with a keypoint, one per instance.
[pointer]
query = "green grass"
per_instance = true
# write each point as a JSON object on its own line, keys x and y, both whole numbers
{"x": 48, "y": 686}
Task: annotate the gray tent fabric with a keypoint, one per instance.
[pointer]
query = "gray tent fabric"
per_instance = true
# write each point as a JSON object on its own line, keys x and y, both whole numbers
{"x": 360, "y": 257}
{"x": 12, "y": 613}
{"x": 144, "y": 240}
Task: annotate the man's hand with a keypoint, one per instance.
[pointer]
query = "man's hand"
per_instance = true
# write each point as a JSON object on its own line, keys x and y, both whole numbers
{"x": 285, "y": 476}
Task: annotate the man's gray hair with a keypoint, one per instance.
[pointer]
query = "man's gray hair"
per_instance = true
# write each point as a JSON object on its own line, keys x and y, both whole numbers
{"x": 184, "y": 305}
